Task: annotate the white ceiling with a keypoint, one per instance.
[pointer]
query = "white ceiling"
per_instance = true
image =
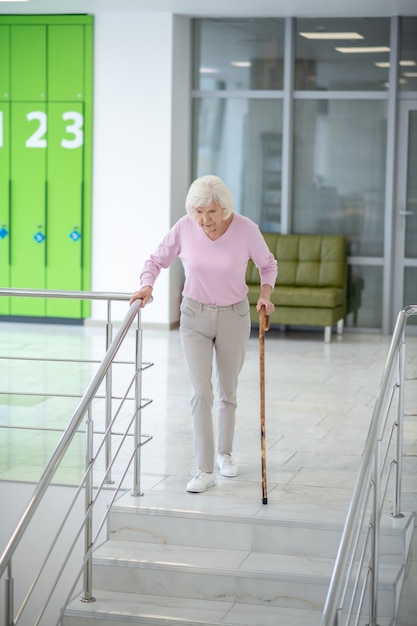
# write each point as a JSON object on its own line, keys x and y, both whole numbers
{"x": 222, "y": 8}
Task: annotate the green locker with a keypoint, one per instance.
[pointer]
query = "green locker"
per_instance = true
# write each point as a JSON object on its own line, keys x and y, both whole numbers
{"x": 65, "y": 206}
{"x": 4, "y": 64}
{"x": 66, "y": 50}
{"x": 27, "y": 63}
{"x": 4, "y": 166}
{"x": 87, "y": 166}
{"x": 4, "y": 205}
{"x": 28, "y": 220}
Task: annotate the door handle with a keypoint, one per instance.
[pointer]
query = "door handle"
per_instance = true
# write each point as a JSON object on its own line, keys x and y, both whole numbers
{"x": 406, "y": 213}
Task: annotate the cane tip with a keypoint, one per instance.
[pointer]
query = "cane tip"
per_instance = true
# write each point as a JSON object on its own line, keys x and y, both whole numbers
{"x": 264, "y": 500}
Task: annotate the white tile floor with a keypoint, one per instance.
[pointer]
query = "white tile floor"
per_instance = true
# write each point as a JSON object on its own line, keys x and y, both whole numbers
{"x": 319, "y": 402}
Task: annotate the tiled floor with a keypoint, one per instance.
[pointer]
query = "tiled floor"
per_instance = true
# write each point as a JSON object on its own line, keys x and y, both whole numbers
{"x": 319, "y": 402}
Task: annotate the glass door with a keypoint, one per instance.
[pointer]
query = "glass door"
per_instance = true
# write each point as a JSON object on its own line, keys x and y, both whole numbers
{"x": 405, "y": 223}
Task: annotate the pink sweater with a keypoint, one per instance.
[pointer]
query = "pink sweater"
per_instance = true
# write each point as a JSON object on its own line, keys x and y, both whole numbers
{"x": 214, "y": 270}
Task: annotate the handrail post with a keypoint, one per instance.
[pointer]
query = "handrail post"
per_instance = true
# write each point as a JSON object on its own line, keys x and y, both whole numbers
{"x": 375, "y": 536}
{"x": 138, "y": 411}
{"x": 108, "y": 401}
{"x": 9, "y": 604}
{"x": 88, "y": 532}
{"x": 399, "y": 433}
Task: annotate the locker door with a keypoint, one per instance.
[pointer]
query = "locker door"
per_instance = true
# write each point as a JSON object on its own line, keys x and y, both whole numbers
{"x": 64, "y": 205}
{"x": 4, "y": 63}
{"x": 28, "y": 227}
{"x": 4, "y": 205}
{"x": 28, "y": 63}
{"x": 66, "y": 50}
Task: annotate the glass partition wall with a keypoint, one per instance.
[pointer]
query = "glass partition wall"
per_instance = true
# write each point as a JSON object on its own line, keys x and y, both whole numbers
{"x": 299, "y": 117}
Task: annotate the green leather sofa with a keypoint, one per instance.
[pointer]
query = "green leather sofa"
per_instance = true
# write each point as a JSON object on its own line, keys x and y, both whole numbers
{"x": 311, "y": 288}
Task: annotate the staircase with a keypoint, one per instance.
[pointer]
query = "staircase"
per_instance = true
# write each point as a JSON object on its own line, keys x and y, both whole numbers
{"x": 201, "y": 559}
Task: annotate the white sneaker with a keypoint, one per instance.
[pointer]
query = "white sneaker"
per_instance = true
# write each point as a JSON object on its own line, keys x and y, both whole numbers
{"x": 226, "y": 465}
{"x": 200, "y": 482}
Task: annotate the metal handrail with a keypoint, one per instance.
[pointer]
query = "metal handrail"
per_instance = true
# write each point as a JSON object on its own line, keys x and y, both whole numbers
{"x": 368, "y": 485}
{"x": 71, "y": 295}
{"x": 83, "y": 408}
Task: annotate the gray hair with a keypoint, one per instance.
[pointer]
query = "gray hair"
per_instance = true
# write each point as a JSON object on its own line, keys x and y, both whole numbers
{"x": 208, "y": 190}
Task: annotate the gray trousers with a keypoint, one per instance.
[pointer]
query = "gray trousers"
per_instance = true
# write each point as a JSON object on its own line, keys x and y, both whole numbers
{"x": 208, "y": 330}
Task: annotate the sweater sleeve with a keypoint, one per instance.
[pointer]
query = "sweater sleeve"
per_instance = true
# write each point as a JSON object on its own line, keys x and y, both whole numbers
{"x": 162, "y": 258}
{"x": 263, "y": 259}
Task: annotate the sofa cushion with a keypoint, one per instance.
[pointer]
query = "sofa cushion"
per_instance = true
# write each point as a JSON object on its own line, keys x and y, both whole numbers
{"x": 305, "y": 260}
{"x": 327, "y": 297}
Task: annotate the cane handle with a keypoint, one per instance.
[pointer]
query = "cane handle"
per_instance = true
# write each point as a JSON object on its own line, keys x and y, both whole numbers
{"x": 263, "y": 319}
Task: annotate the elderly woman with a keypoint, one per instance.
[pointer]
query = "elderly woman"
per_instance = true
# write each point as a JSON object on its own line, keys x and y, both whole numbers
{"x": 214, "y": 245}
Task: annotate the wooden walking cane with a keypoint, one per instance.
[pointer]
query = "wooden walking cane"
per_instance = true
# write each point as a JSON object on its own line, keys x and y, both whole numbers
{"x": 263, "y": 326}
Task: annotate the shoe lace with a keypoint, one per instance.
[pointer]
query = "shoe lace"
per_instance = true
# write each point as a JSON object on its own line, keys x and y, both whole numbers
{"x": 227, "y": 459}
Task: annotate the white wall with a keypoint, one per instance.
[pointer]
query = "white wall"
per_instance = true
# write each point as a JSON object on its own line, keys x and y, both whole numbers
{"x": 140, "y": 159}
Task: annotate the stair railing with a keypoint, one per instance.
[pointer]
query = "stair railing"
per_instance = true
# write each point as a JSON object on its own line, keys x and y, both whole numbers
{"x": 355, "y": 577}
{"x": 92, "y": 493}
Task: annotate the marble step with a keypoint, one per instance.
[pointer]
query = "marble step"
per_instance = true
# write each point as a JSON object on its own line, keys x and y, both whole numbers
{"x": 197, "y": 520}
{"x": 215, "y": 574}
{"x": 119, "y": 609}
{"x": 198, "y": 559}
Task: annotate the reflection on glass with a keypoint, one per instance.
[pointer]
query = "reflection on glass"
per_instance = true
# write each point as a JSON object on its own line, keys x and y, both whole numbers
{"x": 342, "y": 54}
{"x": 364, "y": 296}
{"x": 236, "y": 54}
{"x": 411, "y": 230}
{"x": 239, "y": 140}
{"x": 410, "y": 290}
{"x": 339, "y": 171}
{"x": 408, "y": 54}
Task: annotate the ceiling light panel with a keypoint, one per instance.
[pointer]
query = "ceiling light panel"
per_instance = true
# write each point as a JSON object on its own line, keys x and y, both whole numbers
{"x": 402, "y": 63}
{"x": 324, "y": 35}
{"x": 241, "y": 63}
{"x": 363, "y": 50}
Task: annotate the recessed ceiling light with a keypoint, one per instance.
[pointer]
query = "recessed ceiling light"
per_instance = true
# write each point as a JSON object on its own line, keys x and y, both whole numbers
{"x": 364, "y": 50}
{"x": 241, "y": 63}
{"x": 410, "y": 74}
{"x": 402, "y": 63}
{"x": 208, "y": 70}
{"x": 331, "y": 35}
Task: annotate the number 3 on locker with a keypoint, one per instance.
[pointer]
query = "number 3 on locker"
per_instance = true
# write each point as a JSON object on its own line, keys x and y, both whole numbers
{"x": 74, "y": 127}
